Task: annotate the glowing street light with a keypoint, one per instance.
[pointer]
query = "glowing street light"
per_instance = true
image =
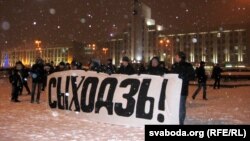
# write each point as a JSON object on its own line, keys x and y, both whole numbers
{"x": 38, "y": 48}
{"x": 38, "y": 42}
{"x": 105, "y": 50}
{"x": 94, "y": 46}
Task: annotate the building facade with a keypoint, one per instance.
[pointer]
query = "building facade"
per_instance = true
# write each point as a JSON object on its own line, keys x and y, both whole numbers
{"x": 82, "y": 52}
{"x": 28, "y": 56}
{"x": 143, "y": 39}
{"x": 227, "y": 47}
{"x": 139, "y": 38}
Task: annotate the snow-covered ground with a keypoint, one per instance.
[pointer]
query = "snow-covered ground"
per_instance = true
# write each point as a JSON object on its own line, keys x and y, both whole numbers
{"x": 26, "y": 121}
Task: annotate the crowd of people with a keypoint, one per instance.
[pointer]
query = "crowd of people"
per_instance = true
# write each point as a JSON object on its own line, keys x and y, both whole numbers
{"x": 40, "y": 71}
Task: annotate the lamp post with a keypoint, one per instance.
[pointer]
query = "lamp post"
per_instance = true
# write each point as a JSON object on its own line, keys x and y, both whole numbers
{"x": 38, "y": 47}
{"x": 38, "y": 42}
{"x": 105, "y": 50}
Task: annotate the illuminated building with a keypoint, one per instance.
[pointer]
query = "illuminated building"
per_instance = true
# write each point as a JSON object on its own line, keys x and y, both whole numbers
{"x": 229, "y": 47}
{"x": 143, "y": 39}
{"x": 28, "y": 56}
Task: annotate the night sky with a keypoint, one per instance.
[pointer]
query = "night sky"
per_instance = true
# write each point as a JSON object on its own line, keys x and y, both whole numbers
{"x": 59, "y": 21}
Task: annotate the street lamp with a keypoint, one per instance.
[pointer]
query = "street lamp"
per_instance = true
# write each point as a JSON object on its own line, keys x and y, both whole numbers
{"x": 105, "y": 50}
{"x": 38, "y": 48}
{"x": 37, "y": 42}
{"x": 161, "y": 41}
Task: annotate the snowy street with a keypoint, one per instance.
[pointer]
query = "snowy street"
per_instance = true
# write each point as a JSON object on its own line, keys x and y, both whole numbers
{"x": 26, "y": 121}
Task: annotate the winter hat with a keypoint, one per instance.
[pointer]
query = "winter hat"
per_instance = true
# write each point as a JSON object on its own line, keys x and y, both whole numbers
{"x": 61, "y": 64}
{"x": 110, "y": 60}
{"x": 202, "y": 63}
{"x": 19, "y": 62}
{"x": 182, "y": 55}
{"x": 125, "y": 58}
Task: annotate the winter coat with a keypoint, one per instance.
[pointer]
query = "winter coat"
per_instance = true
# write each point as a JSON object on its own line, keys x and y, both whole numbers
{"x": 37, "y": 73}
{"x": 155, "y": 71}
{"x": 201, "y": 74}
{"x": 110, "y": 69}
{"x": 15, "y": 78}
{"x": 216, "y": 73}
{"x": 129, "y": 70}
{"x": 186, "y": 73}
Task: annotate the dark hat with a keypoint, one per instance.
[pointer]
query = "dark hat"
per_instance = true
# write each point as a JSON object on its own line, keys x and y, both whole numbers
{"x": 182, "y": 55}
{"x": 202, "y": 63}
{"x": 110, "y": 60}
{"x": 47, "y": 64}
{"x": 61, "y": 64}
{"x": 19, "y": 62}
{"x": 125, "y": 58}
{"x": 75, "y": 63}
{"x": 156, "y": 58}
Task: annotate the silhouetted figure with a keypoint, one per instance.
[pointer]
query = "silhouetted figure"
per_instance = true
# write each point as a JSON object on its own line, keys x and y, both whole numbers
{"x": 61, "y": 67}
{"x": 15, "y": 79}
{"x": 95, "y": 66}
{"x": 109, "y": 68}
{"x": 202, "y": 80}
{"x": 75, "y": 65}
{"x": 141, "y": 69}
{"x": 186, "y": 73}
{"x": 48, "y": 69}
{"x": 25, "y": 74}
{"x": 67, "y": 66}
{"x": 126, "y": 67}
{"x": 37, "y": 73}
{"x": 216, "y": 75}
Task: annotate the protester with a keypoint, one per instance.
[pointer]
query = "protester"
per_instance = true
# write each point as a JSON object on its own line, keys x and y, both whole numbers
{"x": 109, "y": 68}
{"x": 216, "y": 75}
{"x": 48, "y": 69}
{"x": 126, "y": 67}
{"x": 202, "y": 78}
{"x": 154, "y": 67}
{"x": 25, "y": 74}
{"x": 141, "y": 69}
{"x": 67, "y": 66}
{"x": 75, "y": 65}
{"x": 61, "y": 67}
{"x": 163, "y": 66}
{"x": 37, "y": 73}
{"x": 186, "y": 73}
{"x": 95, "y": 66}
{"x": 15, "y": 79}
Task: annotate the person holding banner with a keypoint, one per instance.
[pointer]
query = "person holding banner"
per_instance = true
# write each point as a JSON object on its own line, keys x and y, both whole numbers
{"x": 186, "y": 73}
{"x": 126, "y": 67}
{"x": 109, "y": 68}
{"x": 75, "y": 65}
{"x": 154, "y": 67}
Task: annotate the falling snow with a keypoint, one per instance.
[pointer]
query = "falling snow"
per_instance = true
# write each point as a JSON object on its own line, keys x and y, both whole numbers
{"x": 52, "y": 11}
{"x": 5, "y": 25}
{"x": 76, "y": 17}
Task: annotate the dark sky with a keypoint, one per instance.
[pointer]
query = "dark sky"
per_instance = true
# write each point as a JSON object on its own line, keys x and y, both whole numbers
{"x": 58, "y": 21}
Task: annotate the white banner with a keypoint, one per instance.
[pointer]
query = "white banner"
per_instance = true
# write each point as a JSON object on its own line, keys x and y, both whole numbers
{"x": 117, "y": 99}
